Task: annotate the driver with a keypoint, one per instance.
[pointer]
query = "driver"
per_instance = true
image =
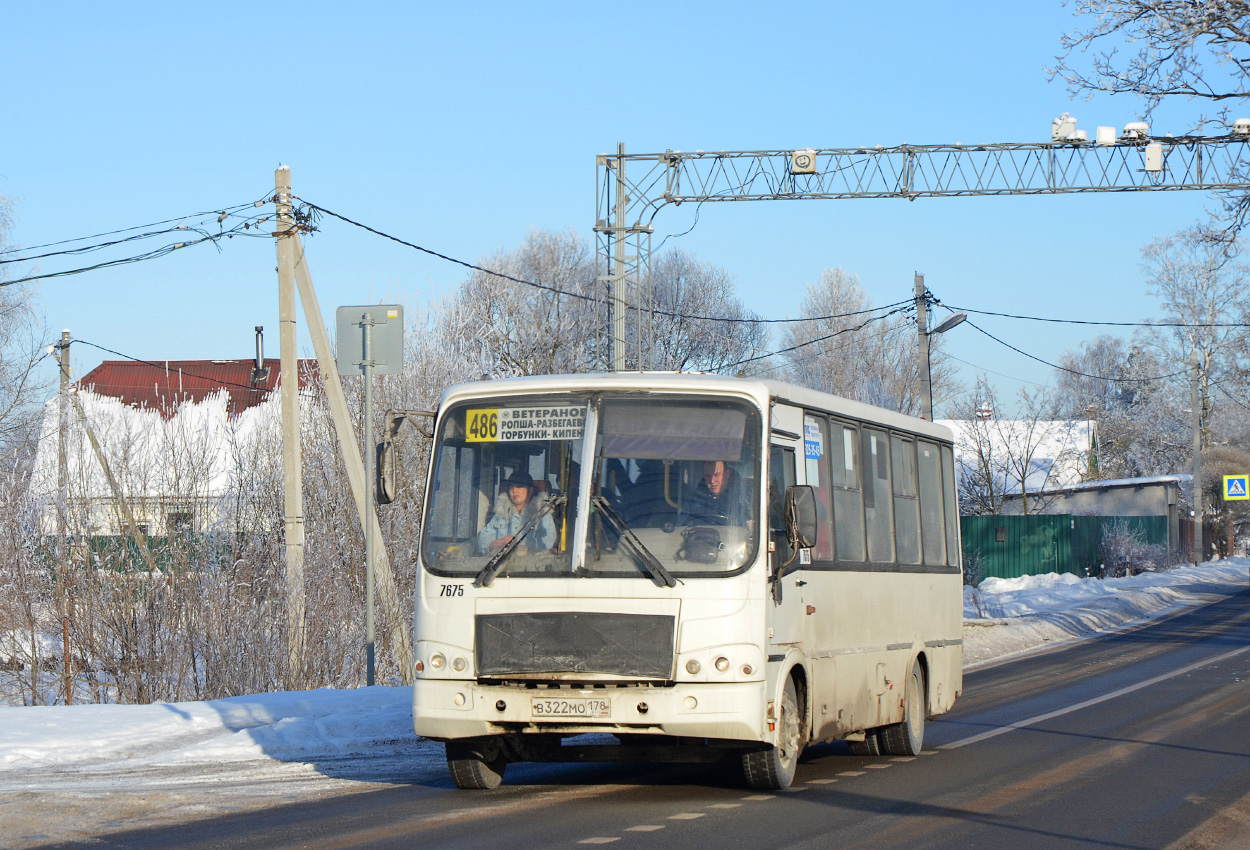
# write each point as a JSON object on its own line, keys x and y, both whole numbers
{"x": 515, "y": 505}
{"x": 720, "y": 498}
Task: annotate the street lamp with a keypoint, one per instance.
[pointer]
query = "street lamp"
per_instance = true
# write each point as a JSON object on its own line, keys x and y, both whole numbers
{"x": 923, "y": 334}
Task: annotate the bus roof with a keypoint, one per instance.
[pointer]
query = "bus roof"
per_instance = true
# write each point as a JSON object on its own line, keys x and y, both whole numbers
{"x": 671, "y": 382}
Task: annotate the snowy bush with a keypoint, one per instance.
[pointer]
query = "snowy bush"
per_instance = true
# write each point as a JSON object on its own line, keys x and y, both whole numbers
{"x": 1124, "y": 552}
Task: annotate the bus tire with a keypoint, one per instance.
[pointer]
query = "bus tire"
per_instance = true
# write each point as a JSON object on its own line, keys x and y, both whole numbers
{"x": 906, "y": 738}
{"x": 870, "y": 746}
{"x": 773, "y": 769}
{"x": 475, "y": 766}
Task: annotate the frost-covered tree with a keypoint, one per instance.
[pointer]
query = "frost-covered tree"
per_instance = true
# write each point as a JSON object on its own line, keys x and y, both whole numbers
{"x": 23, "y": 336}
{"x": 850, "y": 350}
{"x": 1164, "y": 50}
{"x": 701, "y": 324}
{"x": 1202, "y": 291}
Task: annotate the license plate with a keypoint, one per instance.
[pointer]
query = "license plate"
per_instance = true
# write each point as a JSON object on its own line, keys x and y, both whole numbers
{"x": 571, "y": 707}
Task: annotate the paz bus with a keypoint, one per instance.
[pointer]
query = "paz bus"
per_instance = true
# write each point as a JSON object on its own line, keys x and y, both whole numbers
{"x": 695, "y": 567}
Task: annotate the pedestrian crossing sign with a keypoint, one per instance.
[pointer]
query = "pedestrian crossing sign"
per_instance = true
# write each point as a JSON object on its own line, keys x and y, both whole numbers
{"x": 1236, "y": 488}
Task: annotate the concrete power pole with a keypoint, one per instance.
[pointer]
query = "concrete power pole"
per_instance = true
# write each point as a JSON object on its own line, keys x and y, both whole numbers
{"x": 1194, "y": 402}
{"x": 292, "y": 462}
{"x": 293, "y": 272}
{"x": 922, "y": 341}
{"x": 62, "y": 497}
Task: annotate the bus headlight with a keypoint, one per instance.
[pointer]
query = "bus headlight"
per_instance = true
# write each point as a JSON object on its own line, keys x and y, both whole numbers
{"x": 437, "y": 661}
{"x": 457, "y": 664}
{"x": 722, "y": 664}
{"x": 693, "y": 666}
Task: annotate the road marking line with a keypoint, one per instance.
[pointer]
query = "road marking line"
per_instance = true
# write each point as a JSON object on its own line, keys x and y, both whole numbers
{"x": 755, "y": 797}
{"x": 851, "y": 773}
{"x": 904, "y": 758}
{"x": 876, "y": 766}
{"x": 600, "y": 840}
{"x": 1002, "y": 730}
{"x": 687, "y": 816}
{"x": 649, "y": 827}
{"x": 820, "y": 781}
{"x": 724, "y": 805}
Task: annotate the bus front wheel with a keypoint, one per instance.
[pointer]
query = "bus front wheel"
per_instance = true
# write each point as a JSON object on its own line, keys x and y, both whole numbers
{"x": 906, "y": 738}
{"x": 476, "y": 765}
{"x": 773, "y": 769}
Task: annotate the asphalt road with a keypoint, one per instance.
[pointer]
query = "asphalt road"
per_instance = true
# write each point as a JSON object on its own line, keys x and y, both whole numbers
{"x": 1136, "y": 741}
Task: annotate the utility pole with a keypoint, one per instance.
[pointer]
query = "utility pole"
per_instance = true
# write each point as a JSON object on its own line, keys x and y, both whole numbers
{"x": 922, "y": 340}
{"x": 292, "y": 472}
{"x": 1197, "y": 424}
{"x": 62, "y": 480}
{"x": 293, "y": 264}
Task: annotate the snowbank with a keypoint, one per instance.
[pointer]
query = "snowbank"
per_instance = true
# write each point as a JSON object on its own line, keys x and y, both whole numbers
{"x": 1003, "y": 617}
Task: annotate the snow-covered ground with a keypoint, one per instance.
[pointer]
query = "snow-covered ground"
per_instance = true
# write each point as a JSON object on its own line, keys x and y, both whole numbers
{"x": 103, "y": 768}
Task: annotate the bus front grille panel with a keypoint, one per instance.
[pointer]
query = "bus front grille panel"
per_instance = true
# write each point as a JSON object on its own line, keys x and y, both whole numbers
{"x": 575, "y": 642}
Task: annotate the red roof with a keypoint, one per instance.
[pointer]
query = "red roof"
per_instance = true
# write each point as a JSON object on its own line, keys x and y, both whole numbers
{"x": 164, "y": 384}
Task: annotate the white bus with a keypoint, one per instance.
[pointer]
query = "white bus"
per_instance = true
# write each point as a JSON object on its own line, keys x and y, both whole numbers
{"x": 696, "y": 567}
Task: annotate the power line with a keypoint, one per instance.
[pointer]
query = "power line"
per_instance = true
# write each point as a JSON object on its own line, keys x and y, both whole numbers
{"x": 155, "y": 365}
{"x": 558, "y": 291}
{"x": 239, "y": 229}
{"x": 1092, "y": 322}
{"x": 1075, "y": 371}
{"x": 858, "y": 327}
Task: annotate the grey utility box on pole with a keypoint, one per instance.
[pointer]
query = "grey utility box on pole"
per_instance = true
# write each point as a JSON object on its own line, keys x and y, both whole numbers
{"x": 371, "y": 342}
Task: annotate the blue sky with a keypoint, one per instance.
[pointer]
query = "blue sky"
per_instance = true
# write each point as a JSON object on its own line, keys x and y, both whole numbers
{"x": 462, "y": 127}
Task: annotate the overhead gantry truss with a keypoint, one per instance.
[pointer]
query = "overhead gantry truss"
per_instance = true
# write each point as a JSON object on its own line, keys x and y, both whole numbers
{"x": 632, "y": 188}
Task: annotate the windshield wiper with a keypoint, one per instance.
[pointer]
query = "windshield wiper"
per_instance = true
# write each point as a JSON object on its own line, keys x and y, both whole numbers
{"x": 655, "y": 569}
{"x": 488, "y": 573}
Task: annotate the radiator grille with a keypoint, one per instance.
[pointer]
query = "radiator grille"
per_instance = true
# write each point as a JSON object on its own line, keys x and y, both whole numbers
{"x": 575, "y": 642}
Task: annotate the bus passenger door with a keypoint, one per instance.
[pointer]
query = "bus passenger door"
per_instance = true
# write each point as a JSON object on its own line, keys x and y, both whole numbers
{"x": 785, "y": 599}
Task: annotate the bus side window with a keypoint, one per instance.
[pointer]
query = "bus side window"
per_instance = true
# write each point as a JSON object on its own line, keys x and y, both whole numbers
{"x": 878, "y": 506}
{"x": 906, "y": 506}
{"x": 951, "y": 507}
{"x": 932, "y": 514}
{"x": 816, "y": 463}
{"x": 848, "y": 507}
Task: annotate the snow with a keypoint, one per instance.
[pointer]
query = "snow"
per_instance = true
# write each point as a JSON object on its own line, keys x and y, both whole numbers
{"x": 149, "y": 764}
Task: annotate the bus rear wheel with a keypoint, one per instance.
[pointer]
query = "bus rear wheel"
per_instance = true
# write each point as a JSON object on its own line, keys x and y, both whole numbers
{"x": 906, "y": 738}
{"x": 475, "y": 766}
{"x": 870, "y": 746}
{"x": 773, "y": 769}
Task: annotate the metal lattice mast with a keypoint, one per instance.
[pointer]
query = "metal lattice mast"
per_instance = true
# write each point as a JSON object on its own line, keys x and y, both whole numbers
{"x": 627, "y": 204}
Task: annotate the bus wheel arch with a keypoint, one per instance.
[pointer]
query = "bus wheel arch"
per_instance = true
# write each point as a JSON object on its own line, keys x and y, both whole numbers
{"x": 773, "y": 767}
{"x": 906, "y": 738}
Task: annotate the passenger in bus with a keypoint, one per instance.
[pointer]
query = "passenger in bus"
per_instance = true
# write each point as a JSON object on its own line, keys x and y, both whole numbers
{"x": 516, "y": 505}
{"x": 719, "y": 499}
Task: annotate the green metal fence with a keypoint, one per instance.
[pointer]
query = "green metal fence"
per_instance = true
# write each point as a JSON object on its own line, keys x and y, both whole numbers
{"x": 1011, "y": 546}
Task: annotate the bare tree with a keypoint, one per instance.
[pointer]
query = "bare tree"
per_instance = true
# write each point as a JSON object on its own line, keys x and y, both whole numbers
{"x": 1158, "y": 49}
{"x": 23, "y": 336}
{"x": 1199, "y": 288}
{"x": 1000, "y": 457}
{"x": 685, "y": 289}
{"x": 849, "y": 350}
{"x": 528, "y": 330}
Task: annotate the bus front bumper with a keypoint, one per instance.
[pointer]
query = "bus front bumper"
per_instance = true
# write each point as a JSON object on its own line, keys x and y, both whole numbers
{"x": 450, "y": 709}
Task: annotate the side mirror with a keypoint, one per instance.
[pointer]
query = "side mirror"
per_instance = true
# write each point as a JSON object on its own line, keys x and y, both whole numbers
{"x": 801, "y": 516}
{"x": 386, "y": 472}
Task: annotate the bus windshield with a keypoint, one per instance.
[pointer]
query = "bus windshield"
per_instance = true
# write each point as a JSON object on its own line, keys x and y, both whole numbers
{"x": 673, "y": 488}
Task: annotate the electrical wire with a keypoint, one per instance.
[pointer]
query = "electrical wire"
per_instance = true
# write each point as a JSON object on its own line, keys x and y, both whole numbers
{"x": 858, "y": 327}
{"x": 557, "y": 291}
{"x": 953, "y": 308}
{"x": 241, "y": 228}
{"x": 165, "y": 367}
{"x": 1075, "y": 371}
